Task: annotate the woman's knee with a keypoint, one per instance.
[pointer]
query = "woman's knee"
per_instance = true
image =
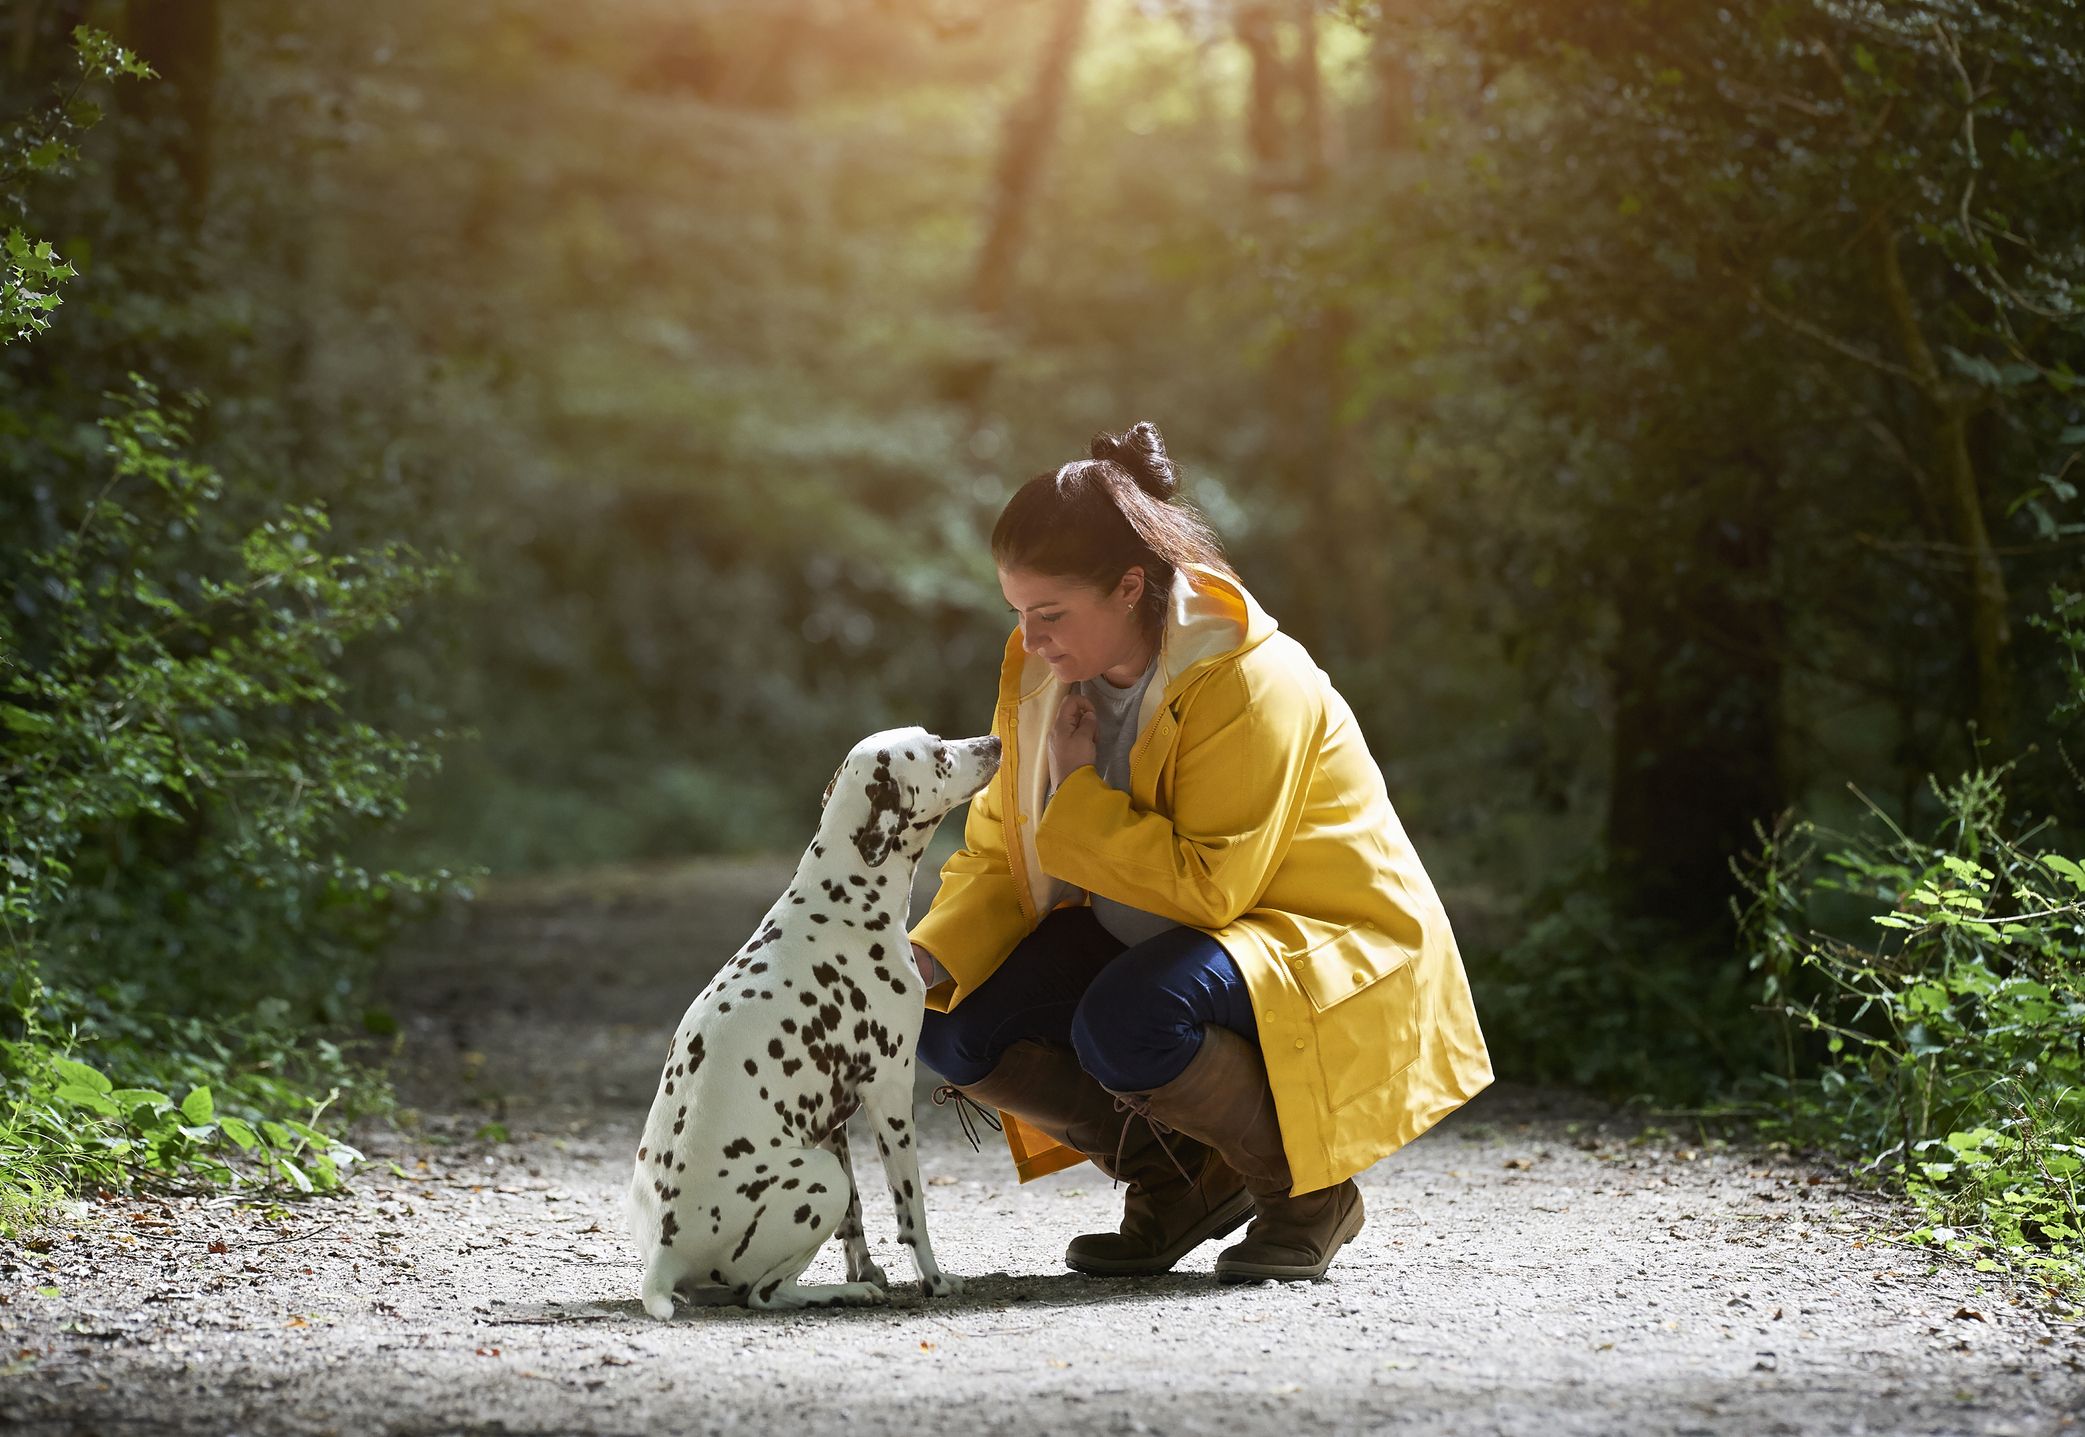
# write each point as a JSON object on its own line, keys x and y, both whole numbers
{"x": 1133, "y": 1037}
{"x": 952, "y": 1052}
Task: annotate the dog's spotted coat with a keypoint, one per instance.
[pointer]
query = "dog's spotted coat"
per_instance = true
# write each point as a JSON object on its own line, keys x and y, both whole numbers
{"x": 743, "y": 1172}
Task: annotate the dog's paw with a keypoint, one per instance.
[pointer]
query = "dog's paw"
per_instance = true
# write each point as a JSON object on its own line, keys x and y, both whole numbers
{"x": 941, "y": 1284}
{"x": 867, "y": 1272}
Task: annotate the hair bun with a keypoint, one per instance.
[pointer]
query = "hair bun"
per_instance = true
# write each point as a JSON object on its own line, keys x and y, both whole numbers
{"x": 1140, "y": 450}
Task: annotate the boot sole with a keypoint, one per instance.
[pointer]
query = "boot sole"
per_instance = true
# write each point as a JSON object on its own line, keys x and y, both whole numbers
{"x": 1226, "y": 1220}
{"x": 1234, "y": 1271}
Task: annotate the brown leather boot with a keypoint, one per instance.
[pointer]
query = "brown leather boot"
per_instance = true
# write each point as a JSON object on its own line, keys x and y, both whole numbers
{"x": 1222, "y": 1099}
{"x": 1173, "y": 1203}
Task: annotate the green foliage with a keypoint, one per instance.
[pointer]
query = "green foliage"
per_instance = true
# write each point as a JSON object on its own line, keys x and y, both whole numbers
{"x": 2066, "y": 621}
{"x": 181, "y": 778}
{"x": 1944, "y": 1050}
{"x": 41, "y": 142}
{"x": 185, "y": 774}
{"x": 177, "y": 716}
{"x": 1625, "y": 1006}
{"x": 67, "y": 1126}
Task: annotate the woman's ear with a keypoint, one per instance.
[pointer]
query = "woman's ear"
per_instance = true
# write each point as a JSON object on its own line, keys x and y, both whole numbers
{"x": 1129, "y": 589}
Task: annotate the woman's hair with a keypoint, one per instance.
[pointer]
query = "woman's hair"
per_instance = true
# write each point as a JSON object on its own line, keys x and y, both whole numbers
{"x": 1093, "y": 519}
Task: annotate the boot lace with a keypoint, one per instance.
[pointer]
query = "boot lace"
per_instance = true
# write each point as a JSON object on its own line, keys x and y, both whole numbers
{"x": 1134, "y": 1106}
{"x": 966, "y": 1107}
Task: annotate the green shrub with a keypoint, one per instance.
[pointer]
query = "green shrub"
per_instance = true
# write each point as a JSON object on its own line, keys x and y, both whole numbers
{"x": 183, "y": 780}
{"x": 1930, "y": 992}
{"x": 1624, "y": 1006}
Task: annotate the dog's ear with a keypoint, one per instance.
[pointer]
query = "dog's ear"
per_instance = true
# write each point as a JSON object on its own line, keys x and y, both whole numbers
{"x": 885, "y": 825}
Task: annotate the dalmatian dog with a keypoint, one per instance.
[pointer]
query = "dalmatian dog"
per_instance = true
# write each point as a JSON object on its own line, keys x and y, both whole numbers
{"x": 743, "y": 1172}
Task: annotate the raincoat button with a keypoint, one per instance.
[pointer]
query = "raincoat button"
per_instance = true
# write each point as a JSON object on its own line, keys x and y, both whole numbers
{"x": 1359, "y": 980}
{"x": 1301, "y": 1044}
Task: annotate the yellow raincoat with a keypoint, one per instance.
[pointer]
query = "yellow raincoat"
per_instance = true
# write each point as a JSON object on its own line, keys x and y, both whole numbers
{"x": 1256, "y": 815}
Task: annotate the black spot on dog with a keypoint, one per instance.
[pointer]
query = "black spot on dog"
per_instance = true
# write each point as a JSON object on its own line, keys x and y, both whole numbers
{"x": 737, "y": 1148}
{"x": 826, "y": 974}
{"x": 802, "y": 1214}
{"x": 818, "y": 918}
{"x": 747, "y": 1240}
{"x": 640, "y": 1155}
{"x": 752, "y": 1068}
{"x": 774, "y": 1047}
{"x": 768, "y": 1292}
{"x": 668, "y": 1226}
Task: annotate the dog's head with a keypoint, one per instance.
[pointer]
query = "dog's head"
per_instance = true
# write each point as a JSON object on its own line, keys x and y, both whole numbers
{"x": 896, "y": 785}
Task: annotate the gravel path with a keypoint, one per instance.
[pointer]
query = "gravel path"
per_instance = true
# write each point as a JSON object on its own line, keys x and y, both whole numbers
{"x": 1538, "y": 1264}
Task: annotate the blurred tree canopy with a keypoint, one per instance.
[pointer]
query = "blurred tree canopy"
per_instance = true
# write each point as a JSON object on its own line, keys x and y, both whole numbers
{"x": 1652, "y": 417}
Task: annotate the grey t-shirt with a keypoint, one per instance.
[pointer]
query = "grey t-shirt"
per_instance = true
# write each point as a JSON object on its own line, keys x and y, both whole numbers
{"x": 1115, "y": 733}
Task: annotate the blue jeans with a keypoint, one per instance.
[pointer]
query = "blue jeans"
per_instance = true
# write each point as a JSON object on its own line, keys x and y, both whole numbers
{"x": 1134, "y": 1015}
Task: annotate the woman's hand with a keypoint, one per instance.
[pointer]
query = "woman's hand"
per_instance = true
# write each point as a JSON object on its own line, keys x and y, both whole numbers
{"x": 930, "y": 972}
{"x": 1074, "y": 738}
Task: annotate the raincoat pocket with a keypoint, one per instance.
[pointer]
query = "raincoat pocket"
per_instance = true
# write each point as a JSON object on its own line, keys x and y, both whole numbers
{"x": 1367, "y": 1010}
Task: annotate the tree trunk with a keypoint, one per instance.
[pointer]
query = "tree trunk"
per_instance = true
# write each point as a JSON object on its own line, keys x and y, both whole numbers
{"x": 165, "y": 169}
{"x": 1031, "y": 129}
{"x": 1396, "y": 98}
{"x": 1319, "y": 148}
{"x": 1263, "y": 127}
{"x": 1990, "y": 631}
{"x": 1697, "y": 680}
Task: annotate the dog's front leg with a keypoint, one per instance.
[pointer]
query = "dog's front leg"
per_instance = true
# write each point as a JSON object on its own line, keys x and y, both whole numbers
{"x": 860, "y": 1266}
{"x": 887, "y": 1103}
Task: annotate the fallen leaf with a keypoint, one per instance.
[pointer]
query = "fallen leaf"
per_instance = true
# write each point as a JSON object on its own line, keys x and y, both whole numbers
{"x": 926, "y": 1347}
{"x": 1521, "y": 1163}
{"x": 941, "y": 1180}
{"x": 1970, "y": 1312}
{"x": 218, "y": 1247}
{"x": 297, "y": 1322}
{"x": 488, "y": 1352}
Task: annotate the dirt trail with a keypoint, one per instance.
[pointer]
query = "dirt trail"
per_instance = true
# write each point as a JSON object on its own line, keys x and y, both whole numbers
{"x": 1538, "y": 1264}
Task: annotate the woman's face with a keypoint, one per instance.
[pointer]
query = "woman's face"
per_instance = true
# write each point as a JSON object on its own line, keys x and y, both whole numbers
{"x": 1082, "y": 631}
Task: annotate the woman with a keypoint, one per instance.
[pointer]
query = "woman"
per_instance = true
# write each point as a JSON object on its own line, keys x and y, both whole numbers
{"x": 1184, "y": 896}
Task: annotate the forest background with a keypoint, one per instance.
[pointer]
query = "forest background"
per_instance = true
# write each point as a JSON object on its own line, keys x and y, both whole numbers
{"x": 503, "y": 435}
